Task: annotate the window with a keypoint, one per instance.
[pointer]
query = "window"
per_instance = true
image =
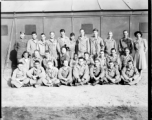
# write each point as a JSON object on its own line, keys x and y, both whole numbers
{"x": 29, "y": 29}
{"x": 4, "y": 30}
{"x": 87, "y": 28}
{"x": 143, "y": 27}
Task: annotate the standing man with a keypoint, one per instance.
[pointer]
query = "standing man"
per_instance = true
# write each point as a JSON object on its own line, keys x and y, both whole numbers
{"x": 109, "y": 44}
{"x": 124, "y": 42}
{"x": 81, "y": 72}
{"x": 63, "y": 40}
{"x": 53, "y": 46}
{"x": 32, "y": 44}
{"x": 41, "y": 45}
{"x": 83, "y": 44}
{"x": 96, "y": 44}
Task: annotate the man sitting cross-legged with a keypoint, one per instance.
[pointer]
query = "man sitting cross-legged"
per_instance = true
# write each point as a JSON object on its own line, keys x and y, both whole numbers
{"x": 112, "y": 74}
{"x": 19, "y": 78}
{"x": 37, "y": 75}
{"x": 97, "y": 73}
{"x": 81, "y": 72}
{"x": 130, "y": 74}
{"x": 51, "y": 74}
{"x": 65, "y": 74}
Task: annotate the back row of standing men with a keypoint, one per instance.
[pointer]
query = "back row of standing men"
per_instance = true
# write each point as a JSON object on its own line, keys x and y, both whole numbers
{"x": 63, "y": 48}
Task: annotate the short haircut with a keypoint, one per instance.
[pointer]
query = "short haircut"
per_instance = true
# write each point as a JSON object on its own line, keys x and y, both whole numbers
{"x": 113, "y": 49}
{"x": 86, "y": 53}
{"x": 34, "y": 33}
{"x": 37, "y": 61}
{"x": 52, "y": 32}
{"x": 36, "y": 51}
{"x": 49, "y": 61}
{"x": 124, "y": 31}
{"x": 62, "y": 30}
{"x": 81, "y": 58}
{"x": 63, "y": 47}
{"x": 135, "y": 34}
{"x": 24, "y": 53}
{"x": 127, "y": 49}
{"x": 65, "y": 60}
{"x": 42, "y": 33}
{"x": 47, "y": 51}
{"x": 20, "y": 63}
{"x": 81, "y": 29}
{"x": 97, "y": 59}
{"x": 75, "y": 53}
{"x": 130, "y": 61}
{"x": 95, "y": 29}
{"x": 110, "y": 62}
{"x": 101, "y": 50}
{"x": 72, "y": 34}
{"x": 22, "y": 32}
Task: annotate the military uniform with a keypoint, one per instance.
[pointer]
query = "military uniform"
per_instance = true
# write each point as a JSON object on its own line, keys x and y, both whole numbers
{"x": 26, "y": 63}
{"x": 81, "y": 74}
{"x": 73, "y": 63}
{"x": 64, "y": 57}
{"x": 128, "y": 73}
{"x": 53, "y": 47}
{"x": 64, "y": 41}
{"x": 83, "y": 45}
{"x": 109, "y": 44}
{"x": 33, "y": 59}
{"x": 96, "y": 45}
{"x": 19, "y": 78}
{"x": 41, "y": 47}
{"x": 52, "y": 59}
{"x": 113, "y": 73}
{"x": 51, "y": 76}
{"x": 125, "y": 59}
{"x": 103, "y": 62}
{"x": 123, "y": 43}
{"x": 32, "y": 46}
{"x": 89, "y": 62}
{"x": 39, "y": 75}
{"x": 65, "y": 75}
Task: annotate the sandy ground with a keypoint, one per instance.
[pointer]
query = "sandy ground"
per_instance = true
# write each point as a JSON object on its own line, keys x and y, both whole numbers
{"x": 100, "y": 102}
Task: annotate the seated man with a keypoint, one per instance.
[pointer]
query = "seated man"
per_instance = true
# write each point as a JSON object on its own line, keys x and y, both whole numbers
{"x": 112, "y": 74}
{"x": 37, "y": 75}
{"x": 74, "y": 61}
{"x": 114, "y": 57}
{"x": 36, "y": 57}
{"x": 47, "y": 58}
{"x": 102, "y": 59}
{"x": 97, "y": 73}
{"x": 64, "y": 55}
{"x": 65, "y": 74}
{"x": 125, "y": 58}
{"x": 51, "y": 74}
{"x": 88, "y": 59}
{"x": 81, "y": 72}
{"x": 130, "y": 74}
{"x": 19, "y": 78}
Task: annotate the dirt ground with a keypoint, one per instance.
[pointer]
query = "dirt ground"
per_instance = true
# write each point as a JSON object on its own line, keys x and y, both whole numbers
{"x": 100, "y": 102}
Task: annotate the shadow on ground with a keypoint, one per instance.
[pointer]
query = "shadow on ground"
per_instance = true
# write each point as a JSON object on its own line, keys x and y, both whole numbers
{"x": 85, "y": 113}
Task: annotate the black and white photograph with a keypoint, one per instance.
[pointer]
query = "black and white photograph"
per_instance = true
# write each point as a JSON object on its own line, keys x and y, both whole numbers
{"x": 74, "y": 59}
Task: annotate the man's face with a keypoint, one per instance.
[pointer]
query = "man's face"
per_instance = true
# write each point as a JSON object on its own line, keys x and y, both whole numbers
{"x": 72, "y": 37}
{"x": 110, "y": 34}
{"x": 52, "y": 35}
{"x": 34, "y": 36}
{"x": 113, "y": 52}
{"x": 63, "y": 50}
{"x": 62, "y": 33}
{"x": 47, "y": 55}
{"x": 65, "y": 63}
{"x": 25, "y": 55}
{"x": 81, "y": 62}
{"x": 37, "y": 65}
{"x": 22, "y": 35}
{"x": 102, "y": 53}
{"x": 86, "y": 56}
{"x": 97, "y": 63}
{"x": 75, "y": 56}
{"x": 43, "y": 37}
{"x": 127, "y": 52}
{"x": 111, "y": 65}
{"x": 82, "y": 32}
{"x": 20, "y": 66}
{"x": 50, "y": 64}
{"x": 125, "y": 33}
{"x": 130, "y": 64}
{"x": 36, "y": 54}
{"x": 95, "y": 33}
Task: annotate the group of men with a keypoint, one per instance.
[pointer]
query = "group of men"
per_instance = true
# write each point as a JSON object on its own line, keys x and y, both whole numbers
{"x": 71, "y": 62}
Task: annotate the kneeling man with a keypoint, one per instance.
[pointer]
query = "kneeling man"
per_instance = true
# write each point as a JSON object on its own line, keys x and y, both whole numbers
{"x": 19, "y": 78}
{"x": 81, "y": 72}
{"x": 97, "y": 73}
{"x": 112, "y": 73}
{"x": 65, "y": 74}
{"x": 130, "y": 74}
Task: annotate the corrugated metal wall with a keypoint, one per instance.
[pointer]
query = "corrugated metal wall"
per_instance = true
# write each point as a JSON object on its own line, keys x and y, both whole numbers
{"x": 46, "y": 22}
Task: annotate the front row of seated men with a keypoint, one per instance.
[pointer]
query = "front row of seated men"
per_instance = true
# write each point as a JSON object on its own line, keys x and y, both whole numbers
{"x": 79, "y": 74}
